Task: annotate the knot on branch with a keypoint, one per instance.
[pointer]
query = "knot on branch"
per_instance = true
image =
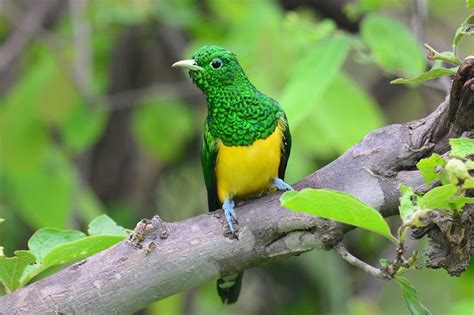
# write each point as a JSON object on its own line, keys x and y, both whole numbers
{"x": 146, "y": 232}
{"x": 461, "y": 105}
{"x": 452, "y": 242}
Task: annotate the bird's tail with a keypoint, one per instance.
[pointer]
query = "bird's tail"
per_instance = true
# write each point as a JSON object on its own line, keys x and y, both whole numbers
{"x": 229, "y": 286}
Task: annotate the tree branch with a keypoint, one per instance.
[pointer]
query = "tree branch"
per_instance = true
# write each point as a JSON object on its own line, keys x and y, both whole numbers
{"x": 356, "y": 262}
{"x": 161, "y": 259}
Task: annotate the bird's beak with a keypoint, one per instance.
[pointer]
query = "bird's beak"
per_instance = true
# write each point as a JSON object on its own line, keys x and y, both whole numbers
{"x": 189, "y": 64}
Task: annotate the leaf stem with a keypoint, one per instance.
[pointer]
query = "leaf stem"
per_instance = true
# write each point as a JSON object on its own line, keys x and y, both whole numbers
{"x": 433, "y": 54}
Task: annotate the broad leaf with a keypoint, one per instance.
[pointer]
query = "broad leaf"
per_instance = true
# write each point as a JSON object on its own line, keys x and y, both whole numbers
{"x": 83, "y": 126}
{"x": 428, "y": 167}
{"x": 461, "y": 147}
{"x": 337, "y": 206}
{"x": 334, "y": 122}
{"x": 312, "y": 76}
{"x": 429, "y": 75}
{"x": 470, "y": 3}
{"x": 393, "y": 46}
{"x": 56, "y": 247}
{"x": 11, "y": 269}
{"x": 46, "y": 239}
{"x": 163, "y": 128}
{"x": 466, "y": 28}
{"x": 43, "y": 197}
{"x": 104, "y": 225}
{"x": 441, "y": 197}
{"x": 411, "y": 297}
{"x": 73, "y": 251}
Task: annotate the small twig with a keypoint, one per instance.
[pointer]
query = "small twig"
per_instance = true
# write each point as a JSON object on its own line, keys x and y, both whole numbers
{"x": 433, "y": 54}
{"x": 25, "y": 31}
{"x": 82, "y": 47}
{"x": 128, "y": 98}
{"x": 354, "y": 261}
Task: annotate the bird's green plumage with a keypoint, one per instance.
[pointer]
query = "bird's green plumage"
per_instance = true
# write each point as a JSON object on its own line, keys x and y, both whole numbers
{"x": 208, "y": 162}
{"x": 238, "y": 115}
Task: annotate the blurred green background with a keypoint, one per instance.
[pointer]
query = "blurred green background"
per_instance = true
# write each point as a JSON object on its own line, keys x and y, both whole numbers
{"x": 93, "y": 120}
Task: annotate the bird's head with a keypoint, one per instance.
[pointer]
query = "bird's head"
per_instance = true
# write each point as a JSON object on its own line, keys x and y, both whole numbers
{"x": 214, "y": 67}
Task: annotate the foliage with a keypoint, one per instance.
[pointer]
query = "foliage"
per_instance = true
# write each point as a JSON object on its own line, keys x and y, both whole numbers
{"x": 414, "y": 209}
{"x": 386, "y": 38}
{"x": 52, "y": 132}
{"x": 49, "y": 247}
{"x": 156, "y": 133}
{"x": 466, "y": 28}
{"x": 337, "y": 206}
{"x": 411, "y": 297}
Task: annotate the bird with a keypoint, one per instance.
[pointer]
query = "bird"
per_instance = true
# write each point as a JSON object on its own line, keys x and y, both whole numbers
{"x": 246, "y": 141}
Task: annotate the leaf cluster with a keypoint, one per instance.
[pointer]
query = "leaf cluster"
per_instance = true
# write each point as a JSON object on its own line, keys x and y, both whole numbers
{"x": 49, "y": 247}
{"x": 453, "y": 177}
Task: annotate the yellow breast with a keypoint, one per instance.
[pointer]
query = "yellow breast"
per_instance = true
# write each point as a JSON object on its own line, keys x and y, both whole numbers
{"x": 247, "y": 171}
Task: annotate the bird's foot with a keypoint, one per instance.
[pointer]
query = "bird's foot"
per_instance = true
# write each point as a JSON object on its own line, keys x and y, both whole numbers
{"x": 279, "y": 184}
{"x": 230, "y": 214}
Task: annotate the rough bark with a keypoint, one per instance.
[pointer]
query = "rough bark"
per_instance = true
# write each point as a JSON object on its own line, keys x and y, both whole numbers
{"x": 161, "y": 259}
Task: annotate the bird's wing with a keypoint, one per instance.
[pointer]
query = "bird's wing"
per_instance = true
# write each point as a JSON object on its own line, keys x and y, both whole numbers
{"x": 285, "y": 147}
{"x": 208, "y": 161}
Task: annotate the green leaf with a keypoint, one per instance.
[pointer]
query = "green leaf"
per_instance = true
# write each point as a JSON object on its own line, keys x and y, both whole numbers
{"x": 163, "y": 128}
{"x": 46, "y": 239}
{"x": 337, "y": 206}
{"x": 56, "y": 247}
{"x": 335, "y": 124}
{"x": 393, "y": 46}
{"x": 461, "y": 147}
{"x": 470, "y": 3}
{"x": 468, "y": 184}
{"x": 104, "y": 225}
{"x": 311, "y": 77}
{"x": 384, "y": 262}
{"x": 441, "y": 197}
{"x": 69, "y": 252}
{"x": 22, "y": 134}
{"x": 470, "y": 164}
{"x": 11, "y": 269}
{"x": 430, "y": 75}
{"x": 83, "y": 126}
{"x": 428, "y": 167}
{"x": 411, "y": 297}
{"x": 466, "y": 28}
{"x": 408, "y": 203}
{"x": 56, "y": 98}
{"x": 43, "y": 197}
{"x": 80, "y": 249}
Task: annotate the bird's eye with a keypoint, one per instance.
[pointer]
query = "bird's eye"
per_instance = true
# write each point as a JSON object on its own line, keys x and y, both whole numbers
{"x": 216, "y": 64}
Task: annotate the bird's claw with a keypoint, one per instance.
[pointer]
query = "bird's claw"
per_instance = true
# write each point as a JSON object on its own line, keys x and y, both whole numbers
{"x": 279, "y": 184}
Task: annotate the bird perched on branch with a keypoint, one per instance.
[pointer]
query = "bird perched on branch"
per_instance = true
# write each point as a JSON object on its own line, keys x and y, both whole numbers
{"x": 246, "y": 140}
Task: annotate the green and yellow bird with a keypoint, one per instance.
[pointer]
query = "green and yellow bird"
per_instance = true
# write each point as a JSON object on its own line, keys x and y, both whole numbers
{"x": 246, "y": 140}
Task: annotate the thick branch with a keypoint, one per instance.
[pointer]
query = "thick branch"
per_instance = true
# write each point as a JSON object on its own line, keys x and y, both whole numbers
{"x": 166, "y": 258}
